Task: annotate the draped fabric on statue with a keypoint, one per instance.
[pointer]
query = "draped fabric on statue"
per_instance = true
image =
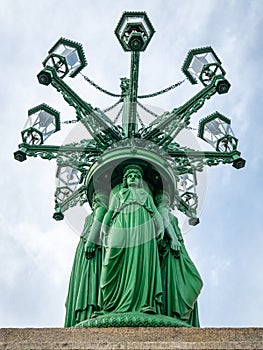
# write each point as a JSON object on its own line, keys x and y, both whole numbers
{"x": 130, "y": 273}
{"x": 181, "y": 283}
{"x": 83, "y": 289}
{"x": 130, "y": 276}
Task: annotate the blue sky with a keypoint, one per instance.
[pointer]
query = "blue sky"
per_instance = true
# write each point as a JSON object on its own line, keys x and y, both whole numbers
{"x": 36, "y": 253}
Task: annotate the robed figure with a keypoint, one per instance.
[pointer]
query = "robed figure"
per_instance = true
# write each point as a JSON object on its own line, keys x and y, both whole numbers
{"x": 82, "y": 299}
{"x": 131, "y": 258}
{"x": 131, "y": 276}
{"x": 180, "y": 279}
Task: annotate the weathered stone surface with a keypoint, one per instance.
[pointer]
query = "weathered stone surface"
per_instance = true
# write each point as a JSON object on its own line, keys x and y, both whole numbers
{"x": 130, "y": 338}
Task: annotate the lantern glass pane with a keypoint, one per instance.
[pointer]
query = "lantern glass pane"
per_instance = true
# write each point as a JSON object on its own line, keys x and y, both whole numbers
{"x": 196, "y": 65}
{"x": 42, "y": 121}
{"x": 64, "y": 50}
{"x": 199, "y": 61}
{"x": 215, "y": 130}
{"x": 68, "y": 177}
{"x": 73, "y": 59}
{"x": 29, "y": 121}
{"x": 45, "y": 119}
{"x": 61, "y": 49}
{"x": 62, "y": 193}
{"x": 190, "y": 199}
{"x": 71, "y": 56}
{"x": 130, "y": 21}
{"x": 186, "y": 183}
{"x": 209, "y": 57}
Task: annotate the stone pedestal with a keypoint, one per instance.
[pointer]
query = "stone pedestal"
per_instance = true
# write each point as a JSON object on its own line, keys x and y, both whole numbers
{"x": 130, "y": 338}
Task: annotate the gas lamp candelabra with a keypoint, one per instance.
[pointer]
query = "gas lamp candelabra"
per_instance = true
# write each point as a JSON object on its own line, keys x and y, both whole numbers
{"x": 97, "y": 163}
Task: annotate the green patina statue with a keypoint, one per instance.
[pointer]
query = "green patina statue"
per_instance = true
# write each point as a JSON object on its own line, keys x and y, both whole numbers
{"x": 82, "y": 299}
{"x": 131, "y": 267}
{"x": 131, "y": 259}
{"x": 180, "y": 279}
{"x": 131, "y": 276}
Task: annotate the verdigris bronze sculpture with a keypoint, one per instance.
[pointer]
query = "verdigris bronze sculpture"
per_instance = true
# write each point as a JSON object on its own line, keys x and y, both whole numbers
{"x": 82, "y": 299}
{"x": 131, "y": 267}
{"x": 131, "y": 277}
{"x": 139, "y": 264}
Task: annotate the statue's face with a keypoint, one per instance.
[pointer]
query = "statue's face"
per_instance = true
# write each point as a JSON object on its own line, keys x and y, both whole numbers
{"x": 133, "y": 179}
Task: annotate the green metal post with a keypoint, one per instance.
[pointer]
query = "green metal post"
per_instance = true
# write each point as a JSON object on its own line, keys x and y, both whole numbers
{"x": 125, "y": 95}
{"x": 134, "y": 75}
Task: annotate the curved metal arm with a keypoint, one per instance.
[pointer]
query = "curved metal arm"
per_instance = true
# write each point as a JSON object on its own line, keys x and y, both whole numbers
{"x": 166, "y": 127}
{"x": 100, "y": 127}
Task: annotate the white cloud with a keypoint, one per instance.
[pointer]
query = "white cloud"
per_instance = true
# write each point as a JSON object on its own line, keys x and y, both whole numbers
{"x": 35, "y": 264}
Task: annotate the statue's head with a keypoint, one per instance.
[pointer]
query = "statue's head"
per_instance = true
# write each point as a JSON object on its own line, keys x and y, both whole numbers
{"x": 130, "y": 172}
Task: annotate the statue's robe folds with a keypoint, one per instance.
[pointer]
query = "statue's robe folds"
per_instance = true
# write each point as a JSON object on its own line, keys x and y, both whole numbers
{"x": 130, "y": 275}
{"x": 181, "y": 282}
{"x": 82, "y": 298}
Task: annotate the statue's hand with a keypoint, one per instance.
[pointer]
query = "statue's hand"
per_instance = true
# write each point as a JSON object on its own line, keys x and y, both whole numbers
{"x": 159, "y": 236}
{"x": 90, "y": 248}
{"x": 176, "y": 247}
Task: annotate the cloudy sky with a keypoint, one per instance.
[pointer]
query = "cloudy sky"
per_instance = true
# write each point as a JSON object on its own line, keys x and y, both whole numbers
{"x": 36, "y": 252}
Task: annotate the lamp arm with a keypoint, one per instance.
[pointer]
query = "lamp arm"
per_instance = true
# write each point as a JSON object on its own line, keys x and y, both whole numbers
{"x": 186, "y": 161}
{"x": 95, "y": 121}
{"x": 68, "y": 151}
{"x": 168, "y": 125}
{"x": 77, "y": 197}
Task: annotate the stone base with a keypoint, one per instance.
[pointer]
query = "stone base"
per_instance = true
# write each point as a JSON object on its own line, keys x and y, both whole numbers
{"x": 130, "y": 338}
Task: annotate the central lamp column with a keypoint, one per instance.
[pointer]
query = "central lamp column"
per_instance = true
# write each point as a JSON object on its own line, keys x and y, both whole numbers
{"x": 134, "y": 32}
{"x": 133, "y": 93}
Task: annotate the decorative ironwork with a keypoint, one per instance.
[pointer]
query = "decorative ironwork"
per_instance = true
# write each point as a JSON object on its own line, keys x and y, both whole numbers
{"x": 132, "y": 179}
{"x": 134, "y": 31}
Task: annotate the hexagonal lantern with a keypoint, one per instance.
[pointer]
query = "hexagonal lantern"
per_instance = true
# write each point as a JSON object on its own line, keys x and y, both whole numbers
{"x": 42, "y": 122}
{"x": 204, "y": 64}
{"x": 67, "y": 57}
{"x": 186, "y": 187}
{"x": 67, "y": 180}
{"x": 134, "y": 31}
{"x": 215, "y": 129}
